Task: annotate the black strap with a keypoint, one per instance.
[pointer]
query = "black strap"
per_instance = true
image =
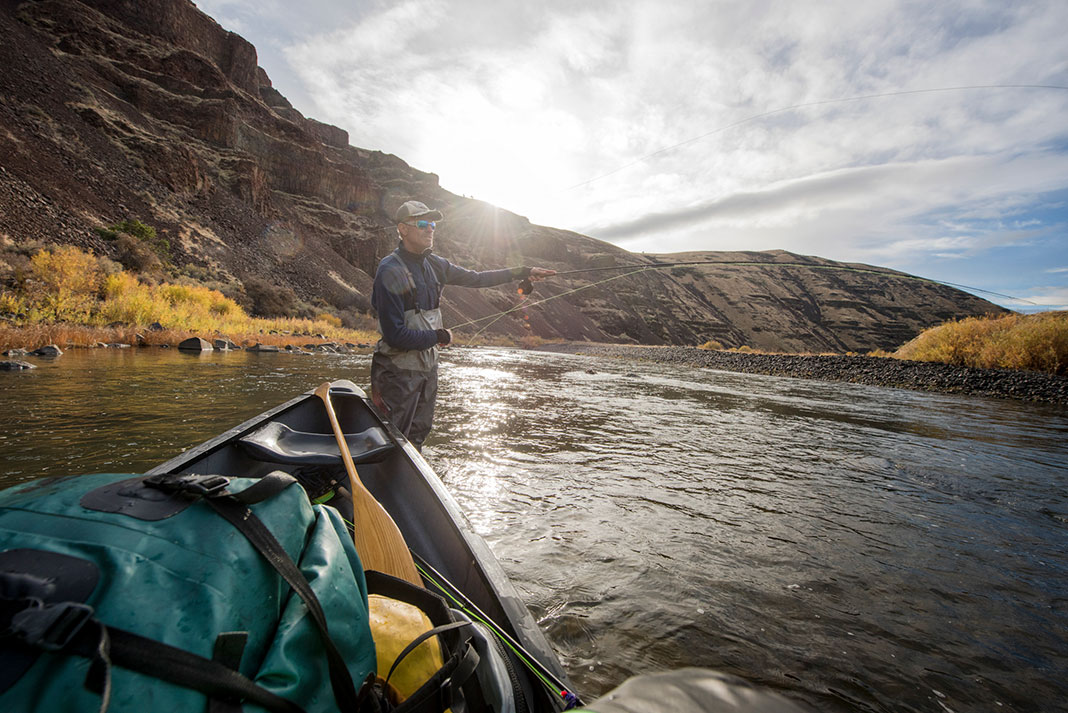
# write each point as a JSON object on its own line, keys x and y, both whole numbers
{"x": 73, "y": 629}
{"x": 266, "y": 487}
{"x": 169, "y": 663}
{"x": 401, "y": 589}
{"x": 233, "y": 509}
{"x": 443, "y": 689}
{"x": 420, "y": 639}
{"x": 98, "y": 677}
{"x": 229, "y": 648}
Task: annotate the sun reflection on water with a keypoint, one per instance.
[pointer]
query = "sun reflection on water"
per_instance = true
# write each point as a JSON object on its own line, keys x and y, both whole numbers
{"x": 483, "y": 428}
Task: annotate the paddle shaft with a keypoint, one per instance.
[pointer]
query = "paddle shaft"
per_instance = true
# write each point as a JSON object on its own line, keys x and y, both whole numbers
{"x": 378, "y": 540}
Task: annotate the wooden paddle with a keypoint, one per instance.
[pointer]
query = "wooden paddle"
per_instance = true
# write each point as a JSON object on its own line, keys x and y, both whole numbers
{"x": 378, "y": 540}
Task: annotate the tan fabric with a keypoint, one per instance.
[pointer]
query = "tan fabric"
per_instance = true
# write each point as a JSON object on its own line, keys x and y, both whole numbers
{"x": 408, "y": 396}
{"x": 414, "y": 360}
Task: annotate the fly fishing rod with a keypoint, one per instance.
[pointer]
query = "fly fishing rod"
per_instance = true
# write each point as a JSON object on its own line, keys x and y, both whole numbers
{"x": 568, "y": 699}
{"x": 530, "y": 288}
{"x": 526, "y": 287}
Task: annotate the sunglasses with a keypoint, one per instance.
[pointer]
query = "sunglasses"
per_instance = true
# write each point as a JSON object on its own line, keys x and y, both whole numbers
{"x": 424, "y": 224}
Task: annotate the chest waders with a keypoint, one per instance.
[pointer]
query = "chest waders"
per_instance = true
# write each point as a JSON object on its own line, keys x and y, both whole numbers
{"x": 405, "y": 381}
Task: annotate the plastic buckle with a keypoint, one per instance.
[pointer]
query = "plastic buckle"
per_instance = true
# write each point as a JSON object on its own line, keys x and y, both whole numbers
{"x": 203, "y": 485}
{"x": 51, "y": 626}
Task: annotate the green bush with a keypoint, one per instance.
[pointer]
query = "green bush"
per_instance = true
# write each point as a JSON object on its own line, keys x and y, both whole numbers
{"x": 197, "y": 273}
{"x": 144, "y": 233}
{"x": 137, "y": 229}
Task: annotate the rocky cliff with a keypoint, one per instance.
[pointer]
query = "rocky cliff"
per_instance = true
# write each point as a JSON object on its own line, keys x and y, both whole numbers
{"x": 117, "y": 109}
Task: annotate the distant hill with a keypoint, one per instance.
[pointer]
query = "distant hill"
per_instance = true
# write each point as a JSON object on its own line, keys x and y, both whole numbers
{"x": 118, "y": 109}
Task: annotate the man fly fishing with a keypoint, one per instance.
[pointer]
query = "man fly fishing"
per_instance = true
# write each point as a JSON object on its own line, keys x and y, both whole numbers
{"x": 407, "y": 298}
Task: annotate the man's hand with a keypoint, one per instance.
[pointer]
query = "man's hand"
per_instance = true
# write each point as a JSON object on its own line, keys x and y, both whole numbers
{"x": 537, "y": 274}
{"x": 444, "y": 337}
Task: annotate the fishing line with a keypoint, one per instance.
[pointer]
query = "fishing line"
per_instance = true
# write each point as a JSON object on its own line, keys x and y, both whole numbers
{"x": 806, "y": 265}
{"x": 806, "y": 105}
{"x": 535, "y": 666}
{"x": 737, "y": 263}
{"x": 569, "y": 698}
{"x": 523, "y": 303}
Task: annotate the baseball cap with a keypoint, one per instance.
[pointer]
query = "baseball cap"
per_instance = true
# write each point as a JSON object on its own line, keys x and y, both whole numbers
{"x": 415, "y": 209}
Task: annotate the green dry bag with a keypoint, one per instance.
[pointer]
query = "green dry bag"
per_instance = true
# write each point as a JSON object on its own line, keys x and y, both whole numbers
{"x": 178, "y": 593}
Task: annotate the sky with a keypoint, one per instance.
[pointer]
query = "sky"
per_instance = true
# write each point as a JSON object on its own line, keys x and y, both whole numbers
{"x": 928, "y": 137}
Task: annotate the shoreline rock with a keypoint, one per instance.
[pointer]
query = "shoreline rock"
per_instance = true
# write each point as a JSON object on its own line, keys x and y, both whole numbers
{"x": 872, "y": 371}
{"x": 196, "y": 344}
{"x": 16, "y": 365}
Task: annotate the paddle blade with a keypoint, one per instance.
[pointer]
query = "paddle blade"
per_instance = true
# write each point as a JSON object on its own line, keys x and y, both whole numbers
{"x": 378, "y": 540}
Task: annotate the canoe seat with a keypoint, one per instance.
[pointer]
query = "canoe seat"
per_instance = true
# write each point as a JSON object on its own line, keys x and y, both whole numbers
{"x": 278, "y": 443}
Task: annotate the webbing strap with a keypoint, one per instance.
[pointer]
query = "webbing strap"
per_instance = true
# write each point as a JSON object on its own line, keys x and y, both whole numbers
{"x": 107, "y": 646}
{"x": 234, "y": 509}
{"x": 229, "y": 648}
{"x": 98, "y": 678}
{"x": 443, "y": 690}
{"x": 240, "y": 516}
{"x": 266, "y": 487}
{"x": 169, "y": 663}
{"x": 420, "y": 639}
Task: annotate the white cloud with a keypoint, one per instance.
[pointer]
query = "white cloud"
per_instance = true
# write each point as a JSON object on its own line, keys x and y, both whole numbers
{"x": 1049, "y": 297}
{"x": 680, "y": 111}
{"x": 871, "y": 213}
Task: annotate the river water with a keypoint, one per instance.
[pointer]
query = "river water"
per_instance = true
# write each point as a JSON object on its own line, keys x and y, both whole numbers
{"x": 855, "y": 548}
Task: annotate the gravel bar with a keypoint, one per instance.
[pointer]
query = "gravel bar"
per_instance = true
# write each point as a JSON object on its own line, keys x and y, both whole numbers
{"x": 874, "y": 371}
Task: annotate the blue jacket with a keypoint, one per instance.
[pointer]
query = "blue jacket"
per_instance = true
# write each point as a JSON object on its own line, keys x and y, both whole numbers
{"x": 393, "y": 292}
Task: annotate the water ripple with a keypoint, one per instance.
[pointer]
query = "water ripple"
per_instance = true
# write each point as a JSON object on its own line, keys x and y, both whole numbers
{"x": 833, "y": 541}
{"x": 858, "y": 548}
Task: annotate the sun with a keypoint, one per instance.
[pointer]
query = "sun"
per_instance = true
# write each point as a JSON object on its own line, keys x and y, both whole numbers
{"x": 511, "y": 155}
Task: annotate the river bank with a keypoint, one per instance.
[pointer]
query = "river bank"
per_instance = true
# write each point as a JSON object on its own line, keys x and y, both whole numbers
{"x": 873, "y": 371}
{"x": 67, "y": 336}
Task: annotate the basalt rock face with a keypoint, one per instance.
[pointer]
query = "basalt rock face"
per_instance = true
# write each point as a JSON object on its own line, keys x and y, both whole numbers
{"x": 117, "y": 109}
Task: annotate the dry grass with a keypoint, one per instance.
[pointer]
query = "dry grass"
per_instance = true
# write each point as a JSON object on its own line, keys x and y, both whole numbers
{"x": 1037, "y": 342}
{"x": 75, "y": 335}
{"x": 71, "y": 298}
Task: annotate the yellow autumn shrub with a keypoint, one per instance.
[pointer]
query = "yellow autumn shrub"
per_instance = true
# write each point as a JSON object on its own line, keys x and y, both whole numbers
{"x": 66, "y": 285}
{"x": 1037, "y": 342}
{"x": 62, "y": 285}
{"x": 328, "y": 318}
